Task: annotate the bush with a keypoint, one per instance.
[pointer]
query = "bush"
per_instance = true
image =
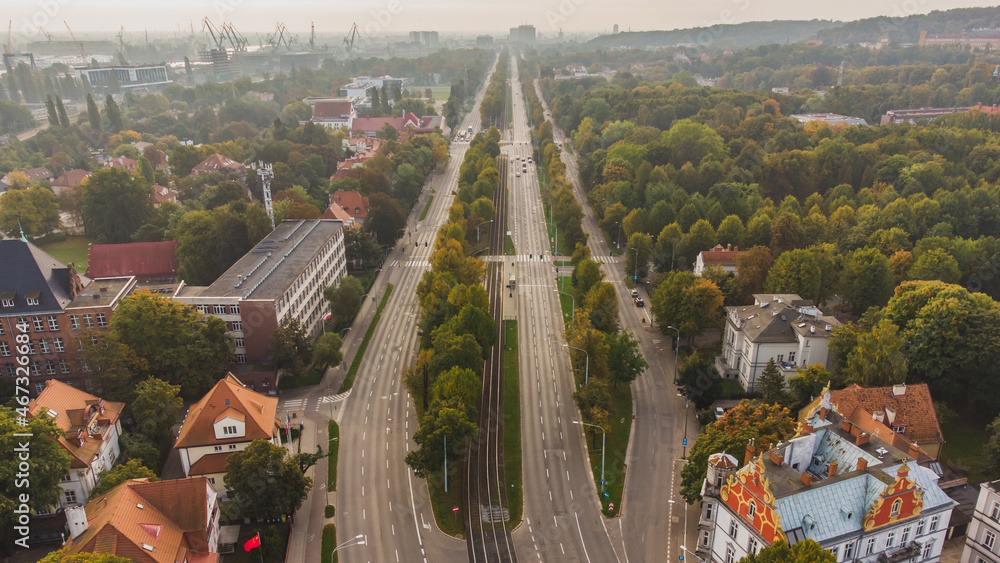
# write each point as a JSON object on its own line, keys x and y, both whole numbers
{"x": 329, "y": 512}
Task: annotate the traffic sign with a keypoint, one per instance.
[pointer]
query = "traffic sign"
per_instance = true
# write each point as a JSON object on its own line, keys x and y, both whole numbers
{"x": 680, "y": 558}
{"x": 611, "y": 506}
{"x": 606, "y": 495}
{"x": 454, "y": 509}
{"x": 684, "y": 442}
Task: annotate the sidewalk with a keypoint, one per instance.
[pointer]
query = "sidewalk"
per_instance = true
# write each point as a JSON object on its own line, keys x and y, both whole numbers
{"x": 301, "y": 541}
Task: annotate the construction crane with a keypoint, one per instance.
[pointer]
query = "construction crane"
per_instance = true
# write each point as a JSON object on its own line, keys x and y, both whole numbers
{"x": 83, "y": 53}
{"x": 48, "y": 36}
{"x": 238, "y": 42}
{"x": 353, "y": 34}
{"x": 121, "y": 46}
{"x": 281, "y": 36}
{"x": 312, "y": 36}
{"x": 840, "y": 75}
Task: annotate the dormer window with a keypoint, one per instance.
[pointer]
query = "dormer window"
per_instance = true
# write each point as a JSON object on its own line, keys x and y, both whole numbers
{"x": 229, "y": 430}
{"x": 895, "y": 507}
{"x": 751, "y": 510}
{"x": 898, "y": 429}
{"x": 7, "y": 298}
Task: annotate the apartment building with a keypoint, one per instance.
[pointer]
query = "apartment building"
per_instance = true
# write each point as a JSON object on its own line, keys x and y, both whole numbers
{"x": 981, "y": 544}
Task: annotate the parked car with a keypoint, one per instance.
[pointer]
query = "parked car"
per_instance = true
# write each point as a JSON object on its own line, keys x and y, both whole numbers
{"x": 719, "y": 411}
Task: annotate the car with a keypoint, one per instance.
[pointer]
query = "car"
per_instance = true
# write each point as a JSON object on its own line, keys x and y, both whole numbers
{"x": 518, "y": 174}
{"x": 639, "y": 302}
{"x": 719, "y": 411}
{"x": 425, "y": 243}
{"x": 635, "y": 293}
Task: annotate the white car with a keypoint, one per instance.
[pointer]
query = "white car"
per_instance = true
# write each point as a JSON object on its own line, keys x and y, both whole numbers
{"x": 719, "y": 412}
{"x": 518, "y": 174}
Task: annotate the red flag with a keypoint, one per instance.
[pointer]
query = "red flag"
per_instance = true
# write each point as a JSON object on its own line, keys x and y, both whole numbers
{"x": 252, "y": 543}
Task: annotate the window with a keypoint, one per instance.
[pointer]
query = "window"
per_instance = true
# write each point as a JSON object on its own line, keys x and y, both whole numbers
{"x": 101, "y": 320}
{"x": 833, "y": 551}
{"x": 905, "y": 536}
{"x": 38, "y": 324}
{"x": 895, "y": 507}
{"x": 83, "y": 365}
{"x": 50, "y": 367}
{"x": 708, "y": 511}
{"x": 730, "y": 554}
{"x": 237, "y": 326}
{"x": 780, "y": 358}
{"x": 211, "y": 480}
{"x": 990, "y": 540}
{"x": 752, "y": 546}
{"x": 232, "y": 446}
{"x": 899, "y": 429}
{"x": 751, "y": 510}
{"x": 35, "y": 368}
{"x": 241, "y": 358}
{"x": 218, "y": 448}
{"x": 791, "y": 357}
{"x": 89, "y": 386}
{"x": 704, "y": 539}
{"x": 57, "y": 343}
{"x": 890, "y": 539}
{"x": 63, "y": 366}
{"x": 88, "y": 320}
{"x": 928, "y": 549}
{"x": 4, "y": 349}
{"x": 74, "y": 322}
{"x": 934, "y": 523}
{"x": 11, "y": 372}
{"x": 227, "y": 430}
{"x": 93, "y": 340}
{"x": 8, "y": 302}
{"x": 65, "y": 478}
{"x": 39, "y": 387}
{"x": 733, "y": 528}
{"x": 995, "y": 511}
{"x": 53, "y": 323}
{"x": 1, "y": 328}
{"x": 920, "y": 529}
{"x": 70, "y": 496}
{"x": 234, "y": 309}
{"x": 219, "y": 309}
{"x": 43, "y": 345}
{"x": 870, "y": 547}
{"x": 241, "y": 343}
{"x": 31, "y": 347}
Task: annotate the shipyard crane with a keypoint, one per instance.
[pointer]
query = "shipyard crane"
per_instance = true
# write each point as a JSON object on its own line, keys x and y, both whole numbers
{"x": 234, "y": 37}
{"x": 121, "y": 46}
{"x": 83, "y": 53}
{"x": 6, "y": 46}
{"x": 281, "y": 36}
{"x": 217, "y": 40}
{"x": 353, "y": 34}
{"x": 48, "y": 36}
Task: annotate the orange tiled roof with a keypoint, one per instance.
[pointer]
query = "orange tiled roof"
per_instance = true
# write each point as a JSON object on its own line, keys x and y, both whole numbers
{"x": 914, "y": 409}
{"x": 171, "y": 517}
{"x": 75, "y": 412}
{"x": 122, "y": 162}
{"x": 718, "y": 254}
{"x": 353, "y": 203}
{"x": 71, "y": 178}
{"x": 198, "y": 429}
{"x": 218, "y": 163}
{"x": 209, "y": 464}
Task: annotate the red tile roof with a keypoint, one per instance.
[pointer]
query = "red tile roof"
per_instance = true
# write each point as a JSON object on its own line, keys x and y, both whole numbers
{"x": 333, "y": 109}
{"x": 144, "y": 260}
{"x": 209, "y": 464}
{"x": 170, "y": 517}
{"x": 122, "y": 162}
{"x": 218, "y": 163}
{"x": 720, "y": 255}
{"x": 400, "y": 123}
{"x": 914, "y": 409}
{"x": 77, "y": 413}
{"x": 198, "y": 428}
{"x": 70, "y": 178}
{"x": 335, "y": 211}
{"x": 163, "y": 193}
{"x": 352, "y": 202}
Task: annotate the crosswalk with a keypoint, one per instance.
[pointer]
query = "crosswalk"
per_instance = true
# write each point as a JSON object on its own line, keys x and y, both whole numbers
{"x": 294, "y": 404}
{"x": 414, "y": 264}
{"x": 326, "y": 400}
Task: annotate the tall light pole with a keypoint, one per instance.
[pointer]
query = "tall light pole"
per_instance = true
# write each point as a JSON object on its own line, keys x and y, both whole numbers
{"x": 586, "y": 370}
{"x": 343, "y": 368}
{"x": 480, "y": 225}
{"x": 619, "y": 235}
{"x": 635, "y": 275}
{"x": 687, "y": 403}
{"x": 357, "y": 538}
{"x": 604, "y": 436}
{"x": 572, "y": 320}
{"x": 677, "y": 349}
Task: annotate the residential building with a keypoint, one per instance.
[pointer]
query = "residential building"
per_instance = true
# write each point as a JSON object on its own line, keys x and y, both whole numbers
{"x": 522, "y": 34}
{"x": 783, "y": 327}
{"x": 981, "y": 544}
{"x": 163, "y": 194}
{"x": 902, "y": 410}
{"x": 425, "y": 38}
{"x": 68, "y": 180}
{"x": 359, "y": 94}
{"x": 854, "y": 494}
{"x": 353, "y": 203}
{"x": 484, "y": 41}
{"x": 122, "y": 162}
{"x": 147, "y": 261}
{"x": 986, "y": 39}
{"x": 363, "y": 148}
{"x": 222, "y": 165}
{"x": 334, "y": 113}
{"x": 141, "y": 77}
{"x": 718, "y": 257}
{"x": 173, "y": 521}
{"x": 830, "y": 118}
{"x": 91, "y": 426}
{"x": 338, "y": 213}
{"x": 34, "y": 175}
{"x": 370, "y": 126}
{"x": 224, "y": 421}
{"x": 55, "y": 305}
{"x": 282, "y": 277}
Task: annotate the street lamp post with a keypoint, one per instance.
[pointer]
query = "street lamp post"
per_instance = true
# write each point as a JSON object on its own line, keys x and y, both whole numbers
{"x": 480, "y": 225}
{"x": 619, "y": 235}
{"x": 677, "y": 349}
{"x": 572, "y": 320}
{"x": 687, "y": 403}
{"x": 586, "y": 368}
{"x": 635, "y": 276}
{"x": 357, "y": 538}
{"x": 604, "y": 436}
{"x": 343, "y": 368}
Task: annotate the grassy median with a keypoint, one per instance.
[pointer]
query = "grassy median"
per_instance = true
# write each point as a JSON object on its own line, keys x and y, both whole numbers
{"x": 349, "y": 380}
{"x": 329, "y": 542}
{"x": 427, "y": 207}
{"x": 512, "y": 423}
{"x": 331, "y": 462}
{"x": 564, "y": 284}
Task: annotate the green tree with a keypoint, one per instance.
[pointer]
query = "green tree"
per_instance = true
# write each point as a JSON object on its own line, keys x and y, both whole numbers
{"x": 61, "y": 110}
{"x": 111, "y": 478}
{"x": 327, "y": 350}
{"x": 805, "y": 551}
{"x": 155, "y": 409}
{"x": 138, "y": 447}
{"x": 457, "y": 388}
{"x": 866, "y": 279}
{"x": 991, "y": 449}
{"x": 764, "y": 423}
{"x": 586, "y": 275}
{"x": 772, "y": 383}
{"x": 290, "y": 348}
{"x": 196, "y": 237}
{"x": 684, "y": 301}
{"x": 146, "y": 170}
{"x": 601, "y": 303}
{"x": 345, "y": 300}
{"x": 752, "y": 268}
{"x": 115, "y": 204}
{"x": 625, "y": 361}
{"x": 688, "y": 141}
{"x": 47, "y": 464}
{"x": 795, "y": 271}
{"x": 878, "y": 360}
{"x": 61, "y": 556}
{"x": 936, "y": 264}
{"x": 808, "y": 384}
{"x": 33, "y": 210}
{"x": 699, "y": 381}
{"x": 93, "y": 113}
{"x": 361, "y": 250}
{"x": 50, "y": 111}
{"x": 263, "y": 482}
{"x": 115, "y": 366}
{"x": 455, "y": 424}
{"x": 113, "y": 114}
{"x": 385, "y": 218}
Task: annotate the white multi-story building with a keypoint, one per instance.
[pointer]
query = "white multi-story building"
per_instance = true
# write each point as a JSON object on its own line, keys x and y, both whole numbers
{"x": 783, "y": 327}
{"x": 981, "y": 545}
{"x": 282, "y": 277}
{"x": 91, "y": 429}
{"x": 857, "y": 496}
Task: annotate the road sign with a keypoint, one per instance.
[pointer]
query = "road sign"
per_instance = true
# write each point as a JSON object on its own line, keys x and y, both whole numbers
{"x": 611, "y": 506}
{"x": 454, "y": 509}
{"x": 680, "y": 558}
{"x": 684, "y": 442}
{"x": 606, "y": 495}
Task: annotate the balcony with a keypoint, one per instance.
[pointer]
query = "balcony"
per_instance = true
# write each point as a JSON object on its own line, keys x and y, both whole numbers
{"x": 910, "y": 552}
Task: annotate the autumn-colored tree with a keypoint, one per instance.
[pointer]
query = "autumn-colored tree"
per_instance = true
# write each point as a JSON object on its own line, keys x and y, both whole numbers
{"x": 601, "y": 303}
{"x": 689, "y": 303}
{"x": 751, "y": 270}
{"x": 32, "y": 211}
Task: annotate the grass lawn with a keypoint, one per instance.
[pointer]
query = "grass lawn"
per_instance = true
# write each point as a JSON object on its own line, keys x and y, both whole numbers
{"x": 349, "y": 380}
{"x": 731, "y": 387}
{"x": 331, "y": 462}
{"x": 965, "y": 437}
{"x": 73, "y": 249}
{"x": 563, "y": 262}
{"x": 329, "y": 542}
{"x": 512, "y": 423}
{"x": 450, "y": 522}
{"x": 427, "y": 207}
{"x": 311, "y": 377}
{"x": 562, "y": 249}
{"x": 566, "y": 301}
{"x": 440, "y": 91}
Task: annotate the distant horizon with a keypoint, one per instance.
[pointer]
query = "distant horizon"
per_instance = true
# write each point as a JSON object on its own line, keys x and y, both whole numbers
{"x": 452, "y": 17}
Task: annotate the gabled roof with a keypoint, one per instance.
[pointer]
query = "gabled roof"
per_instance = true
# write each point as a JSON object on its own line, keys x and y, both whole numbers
{"x": 140, "y": 259}
{"x": 122, "y": 162}
{"x": 376, "y": 123}
{"x": 912, "y": 405}
{"x": 198, "y": 427}
{"x": 170, "y": 517}
{"x": 75, "y": 410}
{"x": 352, "y": 202}
{"x": 721, "y": 255}
{"x": 28, "y": 270}
{"x": 333, "y": 109}
{"x": 71, "y": 178}
{"x": 163, "y": 193}
{"x": 335, "y": 211}
{"x": 209, "y": 464}
{"x": 218, "y": 163}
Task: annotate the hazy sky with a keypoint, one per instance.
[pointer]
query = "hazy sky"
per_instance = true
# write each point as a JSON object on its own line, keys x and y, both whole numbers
{"x": 401, "y": 16}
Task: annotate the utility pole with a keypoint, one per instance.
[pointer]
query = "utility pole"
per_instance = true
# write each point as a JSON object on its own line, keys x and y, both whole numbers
{"x": 266, "y": 175}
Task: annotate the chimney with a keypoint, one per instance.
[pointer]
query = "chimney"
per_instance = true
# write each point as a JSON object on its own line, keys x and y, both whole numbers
{"x": 832, "y": 469}
{"x": 806, "y": 428}
{"x": 845, "y": 425}
{"x": 822, "y": 413}
{"x": 879, "y": 416}
{"x": 776, "y": 458}
{"x": 914, "y": 451}
{"x": 862, "y": 464}
{"x": 76, "y": 519}
{"x": 750, "y": 453}
{"x": 807, "y": 479}
{"x": 729, "y": 246}
{"x": 899, "y": 389}
{"x": 862, "y": 439}
{"x": 890, "y": 414}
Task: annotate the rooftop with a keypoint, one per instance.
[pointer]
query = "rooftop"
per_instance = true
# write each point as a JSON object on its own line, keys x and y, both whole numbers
{"x": 780, "y": 317}
{"x": 83, "y": 417}
{"x": 140, "y": 259}
{"x": 269, "y": 268}
{"x": 909, "y": 407}
{"x": 102, "y": 292}
{"x": 31, "y": 273}
{"x": 228, "y": 394}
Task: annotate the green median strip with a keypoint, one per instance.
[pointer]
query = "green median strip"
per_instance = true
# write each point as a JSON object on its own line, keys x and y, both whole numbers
{"x": 512, "y": 423}
{"x": 427, "y": 207}
{"x": 564, "y": 285}
{"x": 329, "y": 542}
{"x": 349, "y": 380}
{"x": 331, "y": 461}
